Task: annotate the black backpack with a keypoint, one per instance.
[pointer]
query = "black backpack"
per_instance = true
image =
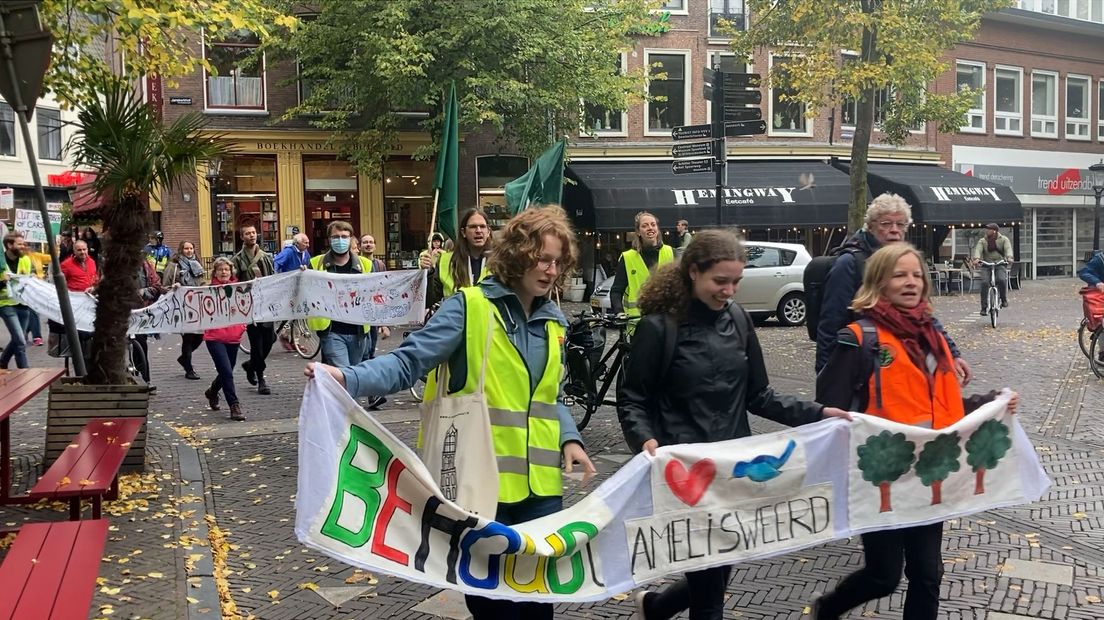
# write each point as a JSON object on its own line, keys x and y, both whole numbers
{"x": 813, "y": 279}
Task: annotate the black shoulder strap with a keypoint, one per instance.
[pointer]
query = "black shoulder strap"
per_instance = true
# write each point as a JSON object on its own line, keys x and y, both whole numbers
{"x": 869, "y": 346}
{"x": 740, "y": 319}
{"x": 670, "y": 338}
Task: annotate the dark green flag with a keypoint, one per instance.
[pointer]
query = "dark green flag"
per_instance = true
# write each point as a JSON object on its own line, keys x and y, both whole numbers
{"x": 542, "y": 184}
{"x": 446, "y": 179}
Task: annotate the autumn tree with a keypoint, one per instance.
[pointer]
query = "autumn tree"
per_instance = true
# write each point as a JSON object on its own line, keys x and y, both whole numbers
{"x": 985, "y": 448}
{"x": 938, "y": 459}
{"x": 95, "y": 39}
{"x": 884, "y": 458}
{"x": 524, "y": 69}
{"x": 900, "y": 48}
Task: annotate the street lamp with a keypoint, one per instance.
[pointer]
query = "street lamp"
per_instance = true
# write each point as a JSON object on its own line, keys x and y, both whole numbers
{"x": 214, "y": 169}
{"x": 1097, "y": 171}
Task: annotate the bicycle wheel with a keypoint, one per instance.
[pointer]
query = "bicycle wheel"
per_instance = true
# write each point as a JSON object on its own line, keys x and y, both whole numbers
{"x": 243, "y": 346}
{"x": 579, "y": 399}
{"x": 1095, "y": 351}
{"x": 994, "y": 308}
{"x": 305, "y": 340}
{"x": 1084, "y": 336}
{"x": 136, "y": 360}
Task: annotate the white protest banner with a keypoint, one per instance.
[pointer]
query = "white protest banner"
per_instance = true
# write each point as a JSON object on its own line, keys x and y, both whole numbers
{"x": 29, "y": 222}
{"x": 387, "y": 298}
{"x": 365, "y": 498}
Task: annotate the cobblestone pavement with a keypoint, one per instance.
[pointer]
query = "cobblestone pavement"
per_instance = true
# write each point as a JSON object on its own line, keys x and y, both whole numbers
{"x": 1038, "y": 561}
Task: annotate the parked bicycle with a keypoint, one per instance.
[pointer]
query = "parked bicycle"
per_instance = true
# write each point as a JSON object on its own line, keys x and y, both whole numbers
{"x": 591, "y": 370}
{"x": 994, "y": 293}
{"x": 1089, "y": 334}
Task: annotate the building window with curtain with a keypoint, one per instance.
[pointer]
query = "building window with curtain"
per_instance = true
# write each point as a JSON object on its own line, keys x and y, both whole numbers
{"x": 1044, "y": 104}
{"x": 238, "y": 79}
{"x": 1077, "y": 107}
{"x": 667, "y": 109}
{"x": 7, "y": 130}
{"x": 971, "y": 75}
{"x": 730, "y": 11}
{"x": 1008, "y": 107}
{"x": 49, "y": 133}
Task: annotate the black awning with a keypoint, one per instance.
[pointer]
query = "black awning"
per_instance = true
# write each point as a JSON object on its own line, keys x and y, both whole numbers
{"x": 758, "y": 194}
{"x": 945, "y": 197}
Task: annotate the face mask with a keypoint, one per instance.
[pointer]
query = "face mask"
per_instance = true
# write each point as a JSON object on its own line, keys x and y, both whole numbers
{"x": 339, "y": 245}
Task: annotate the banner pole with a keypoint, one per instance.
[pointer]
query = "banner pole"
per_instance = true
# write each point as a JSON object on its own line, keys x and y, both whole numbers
{"x": 433, "y": 218}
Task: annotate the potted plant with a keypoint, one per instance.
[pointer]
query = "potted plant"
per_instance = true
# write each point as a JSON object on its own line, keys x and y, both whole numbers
{"x": 133, "y": 153}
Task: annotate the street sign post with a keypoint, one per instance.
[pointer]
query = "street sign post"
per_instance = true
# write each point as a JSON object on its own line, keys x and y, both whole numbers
{"x": 739, "y": 113}
{"x": 691, "y": 166}
{"x": 693, "y": 149}
{"x": 692, "y": 132}
{"x": 745, "y": 128}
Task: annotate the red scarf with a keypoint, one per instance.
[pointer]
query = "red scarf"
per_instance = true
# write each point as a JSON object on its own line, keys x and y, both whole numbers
{"x": 914, "y": 328}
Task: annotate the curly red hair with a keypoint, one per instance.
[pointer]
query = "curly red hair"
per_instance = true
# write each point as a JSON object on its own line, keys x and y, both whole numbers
{"x": 518, "y": 246}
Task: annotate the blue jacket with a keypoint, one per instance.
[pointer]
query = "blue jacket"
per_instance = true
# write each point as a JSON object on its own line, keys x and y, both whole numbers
{"x": 443, "y": 338}
{"x": 291, "y": 259}
{"x": 1093, "y": 271}
{"x": 840, "y": 286}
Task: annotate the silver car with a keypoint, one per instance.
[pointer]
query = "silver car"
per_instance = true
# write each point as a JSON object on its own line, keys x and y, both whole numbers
{"x": 771, "y": 285}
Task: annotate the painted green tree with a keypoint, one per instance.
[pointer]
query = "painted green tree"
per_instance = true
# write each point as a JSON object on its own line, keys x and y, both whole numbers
{"x": 985, "y": 448}
{"x": 372, "y": 68}
{"x": 938, "y": 459}
{"x": 884, "y": 458}
{"x": 899, "y": 50}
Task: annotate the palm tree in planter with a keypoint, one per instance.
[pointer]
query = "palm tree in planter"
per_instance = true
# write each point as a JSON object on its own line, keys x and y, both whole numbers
{"x": 132, "y": 152}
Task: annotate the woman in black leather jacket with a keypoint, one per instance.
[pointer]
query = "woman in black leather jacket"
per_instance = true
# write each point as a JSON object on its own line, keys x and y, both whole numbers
{"x": 703, "y": 389}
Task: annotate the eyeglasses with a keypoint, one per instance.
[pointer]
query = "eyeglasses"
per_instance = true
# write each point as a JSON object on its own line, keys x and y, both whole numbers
{"x": 544, "y": 264}
{"x": 888, "y": 224}
{"x": 335, "y": 237}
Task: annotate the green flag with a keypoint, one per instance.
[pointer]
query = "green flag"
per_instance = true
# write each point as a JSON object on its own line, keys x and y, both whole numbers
{"x": 446, "y": 179}
{"x": 543, "y": 183}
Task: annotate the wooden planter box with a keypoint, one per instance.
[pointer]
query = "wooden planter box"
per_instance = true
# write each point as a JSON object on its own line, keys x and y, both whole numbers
{"x": 72, "y": 404}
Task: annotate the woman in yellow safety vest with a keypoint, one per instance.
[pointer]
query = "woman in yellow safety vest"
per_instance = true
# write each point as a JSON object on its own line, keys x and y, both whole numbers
{"x": 636, "y": 264}
{"x": 16, "y": 316}
{"x": 468, "y": 264}
{"x": 533, "y": 256}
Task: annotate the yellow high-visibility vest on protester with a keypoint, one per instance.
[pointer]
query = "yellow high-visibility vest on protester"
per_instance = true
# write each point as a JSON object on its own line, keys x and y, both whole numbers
{"x": 321, "y": 324}
{"x": 638, "y": 273}
{"x": 525, "y": 427}
{"x": 444, "y": 273}
{"x": 23, "y": 267}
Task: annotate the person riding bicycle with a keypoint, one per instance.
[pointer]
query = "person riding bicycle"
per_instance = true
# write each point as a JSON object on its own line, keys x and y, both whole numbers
{"x": 1093, "y": 271}
{"x": 637, "y": 263}
{"x": 992, "y": 248}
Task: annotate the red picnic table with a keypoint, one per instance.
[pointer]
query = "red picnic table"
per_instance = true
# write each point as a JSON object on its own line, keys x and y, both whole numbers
{"x": 16, "y": 388}
{"x": 50, "y": 571}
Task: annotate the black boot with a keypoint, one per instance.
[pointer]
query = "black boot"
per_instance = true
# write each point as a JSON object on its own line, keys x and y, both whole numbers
{"x": 212, "y": 398}
{"x": 262, "y": 387}
{"x": 250, "y": 376}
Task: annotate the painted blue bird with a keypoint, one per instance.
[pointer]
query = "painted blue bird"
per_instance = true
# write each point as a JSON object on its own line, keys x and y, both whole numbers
{"x": 765, "y": 466}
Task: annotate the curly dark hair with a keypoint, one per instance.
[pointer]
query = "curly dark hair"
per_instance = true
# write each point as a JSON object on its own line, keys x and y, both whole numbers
{"x": 518, "y": 247}
{"x": 669, "y": 289}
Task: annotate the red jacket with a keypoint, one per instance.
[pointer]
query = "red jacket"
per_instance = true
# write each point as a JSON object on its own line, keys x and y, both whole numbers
{"x": 231, "y": 334}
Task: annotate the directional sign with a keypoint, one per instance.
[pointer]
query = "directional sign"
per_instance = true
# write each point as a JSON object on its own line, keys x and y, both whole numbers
{"x": 743, "y": 80}
{"x": 691, "y": 132}
{"x": 690, "y": 166}
{"x": 709, "y": 75}
{"x": 740, "y": 97}
{"x": 738, "y": 113}
{"x": 745, "y": 128}
{"x": 693, "y": 149}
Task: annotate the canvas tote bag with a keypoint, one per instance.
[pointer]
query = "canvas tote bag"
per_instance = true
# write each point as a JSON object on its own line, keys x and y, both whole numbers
{"x": 457, "y": 448}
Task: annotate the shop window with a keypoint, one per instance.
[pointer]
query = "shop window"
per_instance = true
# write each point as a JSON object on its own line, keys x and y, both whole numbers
{"x": 49, "y": 133}
{"x": 408, "y": 208}
{"x": 787, "y": 115}
{"x": 670, "y": 97}
{"x": 238, "y": 80}
{"x": 971, "y": 75}
{"x": 731, "y": 11}
{"x": 1008, "y": 107}
{"x": 245, "y": 195}
{"x": 603, "y": 120}
{"x": 329, "y": 193}
{"x": 494, "y": 172}
{"x": 7, "y": 130}
{"x": 1077, "y": 107}
{"x": 1044, "y": 104}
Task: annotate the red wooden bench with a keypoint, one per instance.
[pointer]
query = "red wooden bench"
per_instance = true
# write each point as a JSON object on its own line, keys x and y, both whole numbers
{"x": 89, "y": 467}
{"x": 16, "y": 388}
{"x": 50, "y": 570}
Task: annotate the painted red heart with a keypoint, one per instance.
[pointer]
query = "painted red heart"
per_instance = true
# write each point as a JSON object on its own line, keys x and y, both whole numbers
{"x": 689, "y": 486}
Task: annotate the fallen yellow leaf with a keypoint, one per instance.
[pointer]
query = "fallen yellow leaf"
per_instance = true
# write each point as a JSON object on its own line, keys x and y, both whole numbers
{"x": 310, "y": 585}
{"x": 272, "y": 594}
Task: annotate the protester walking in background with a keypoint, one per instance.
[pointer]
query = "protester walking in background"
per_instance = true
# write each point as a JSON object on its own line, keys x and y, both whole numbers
{"x": 684, "y": 237}
{"x": 637, "y": 263}
{"x": 40, "y": 264}
{"x": 249, "y": 263}
{"x": 184, "y": 270}
{"x": 16, "y": 316}
{"x": 703, "y": 389}
{"x": 464, "y": 266}
{"x": 533, "y": 256}
{"x": 223, "y": 343}
{"x": 427, "y": 258}
{"x": 916, "y": 385}
{"x": 295, "y": 256}
{"x": 157, "y": 253}
{"x": 342, "y": 343}
{"x": 80, "y": 271}
{"x": 149, "y": 291}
